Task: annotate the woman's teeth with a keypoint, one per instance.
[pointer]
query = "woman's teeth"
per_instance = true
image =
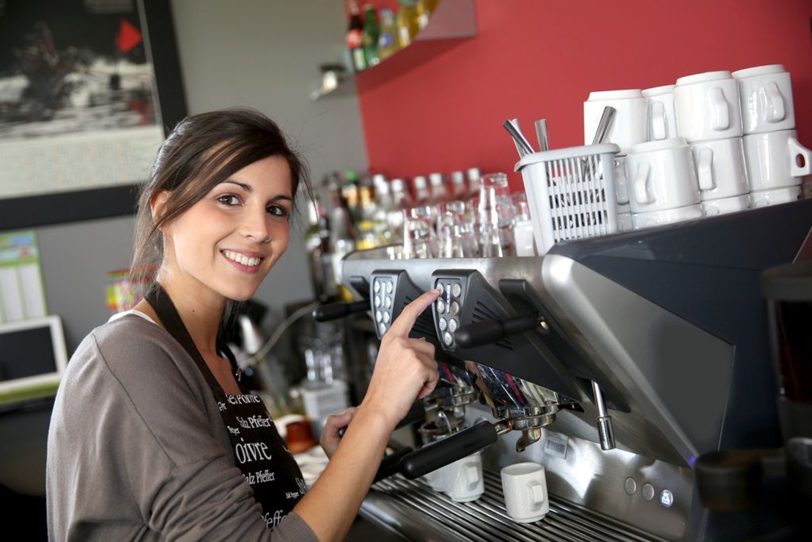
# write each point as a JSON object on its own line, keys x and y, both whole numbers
{"x": 241, "y": 258}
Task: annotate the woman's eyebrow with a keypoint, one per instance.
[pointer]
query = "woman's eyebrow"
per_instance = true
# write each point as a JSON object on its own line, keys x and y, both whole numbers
{"x": 248, "y": 188}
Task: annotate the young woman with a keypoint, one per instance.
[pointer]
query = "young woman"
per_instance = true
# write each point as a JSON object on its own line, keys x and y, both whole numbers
{"x": 151, "y": 436}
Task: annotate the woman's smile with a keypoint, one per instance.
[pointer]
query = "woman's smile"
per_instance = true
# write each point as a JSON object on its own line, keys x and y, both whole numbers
{"x": 243, "y": 262}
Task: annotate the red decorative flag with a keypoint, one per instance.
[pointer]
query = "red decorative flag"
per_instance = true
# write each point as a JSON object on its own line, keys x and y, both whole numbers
{"x": 128, "y": 36}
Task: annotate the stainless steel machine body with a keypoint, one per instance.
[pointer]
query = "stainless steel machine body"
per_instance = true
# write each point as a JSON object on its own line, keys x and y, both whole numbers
{"x": 660, "y": 333}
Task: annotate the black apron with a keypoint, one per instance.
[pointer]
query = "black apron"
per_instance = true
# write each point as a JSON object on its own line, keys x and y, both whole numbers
{"x": 261, "y": 454}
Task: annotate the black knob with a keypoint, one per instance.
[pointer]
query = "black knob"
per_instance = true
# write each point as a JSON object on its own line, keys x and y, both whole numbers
{"x": 333, "y": 311}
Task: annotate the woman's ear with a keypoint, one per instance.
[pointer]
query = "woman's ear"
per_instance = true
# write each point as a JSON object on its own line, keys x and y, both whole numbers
{"x": 157, "y": 203}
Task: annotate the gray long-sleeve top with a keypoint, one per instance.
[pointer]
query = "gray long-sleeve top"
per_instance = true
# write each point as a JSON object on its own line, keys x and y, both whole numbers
{"x": 137, "y": 449}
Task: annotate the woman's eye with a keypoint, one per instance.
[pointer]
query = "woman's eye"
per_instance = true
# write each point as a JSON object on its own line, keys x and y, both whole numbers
{"x": 278, "y": 211}
{"x": 229, "y": 200}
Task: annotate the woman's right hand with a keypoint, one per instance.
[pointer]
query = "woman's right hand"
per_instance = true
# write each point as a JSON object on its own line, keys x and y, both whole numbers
{"x": 405, "y": 369}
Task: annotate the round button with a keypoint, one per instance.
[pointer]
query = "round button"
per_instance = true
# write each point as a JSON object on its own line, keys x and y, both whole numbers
{"x": 381, "y": 329}
{"x": 386, "y": 317}
{"x": 378, "y": 316}
{"x": 455, "y": 308}
{"x": 452, "y": 325}
{"x": 647, "y": 491}
{"x": 377, "y": 286}
{"x": 443, "y": 323}
{"x": 377, "y": 301}
{"x": 440, "y": 288}
{"x": 630, "y": 486}
{"x": 389, "y": 287}
{"x": 440, "y": 306}
{"x": 456, "y": 290}
{"x": 666, "y": 498}
{"x": 447, "y": 338}
{"x": 387, "y": 302}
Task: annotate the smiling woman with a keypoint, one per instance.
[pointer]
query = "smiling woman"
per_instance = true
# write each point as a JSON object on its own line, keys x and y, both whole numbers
{"x": 179, "y": 459}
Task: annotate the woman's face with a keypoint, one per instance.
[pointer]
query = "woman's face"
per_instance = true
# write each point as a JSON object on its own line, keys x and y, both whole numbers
{"x": 226, "y": 243}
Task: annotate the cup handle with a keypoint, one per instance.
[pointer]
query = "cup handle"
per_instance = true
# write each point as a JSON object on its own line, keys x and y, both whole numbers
{"x": 537, "y": 492}
{"x": 704, "y": 170}
{"x": 775, "y": 103}
{"x": 720, "y": 116}
{"x": 472, "y": 473}
{"x": 796, "y": 150}
{"x": 657, "y": 121}
{"x": 641, "y": 192}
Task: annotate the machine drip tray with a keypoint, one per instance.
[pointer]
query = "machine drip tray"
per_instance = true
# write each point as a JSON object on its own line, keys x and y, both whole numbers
{"x": 417, "y": 512}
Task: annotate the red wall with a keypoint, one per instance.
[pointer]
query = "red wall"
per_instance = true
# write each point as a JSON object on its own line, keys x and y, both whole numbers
{"x": 541, "y": 58}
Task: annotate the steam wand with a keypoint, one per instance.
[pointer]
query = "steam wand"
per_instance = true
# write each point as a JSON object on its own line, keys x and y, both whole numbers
{"x": 605, "y": 433}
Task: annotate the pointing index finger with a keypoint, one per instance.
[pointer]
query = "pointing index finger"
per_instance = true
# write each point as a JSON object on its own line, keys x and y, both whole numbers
{"x": 408, "y": 316}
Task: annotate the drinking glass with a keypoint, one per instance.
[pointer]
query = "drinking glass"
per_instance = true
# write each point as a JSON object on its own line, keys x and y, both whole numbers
{"x": 419, "y": 237}
{"x": 495, "y": 212}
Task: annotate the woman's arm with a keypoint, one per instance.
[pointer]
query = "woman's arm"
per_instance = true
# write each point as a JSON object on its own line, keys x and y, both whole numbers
{"x": 404, "y": 371}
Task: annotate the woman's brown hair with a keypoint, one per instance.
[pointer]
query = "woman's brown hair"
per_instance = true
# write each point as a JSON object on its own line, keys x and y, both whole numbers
{"x": 201, "y": 152}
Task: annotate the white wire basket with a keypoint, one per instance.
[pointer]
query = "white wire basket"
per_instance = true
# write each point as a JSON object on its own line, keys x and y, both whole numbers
{"x": 571, "y": 193}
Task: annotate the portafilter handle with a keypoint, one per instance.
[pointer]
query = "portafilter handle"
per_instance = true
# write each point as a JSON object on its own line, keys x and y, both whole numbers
{"x": 490, "y": 331}
{"x": 334, "y": 311}
{"x": 443, "y": 452}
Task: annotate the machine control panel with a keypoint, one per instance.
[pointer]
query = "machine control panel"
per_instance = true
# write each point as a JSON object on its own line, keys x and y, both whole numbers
{"x": 383, "y": 301}
{"x": 390, "y": 291}
{"x": 447, "y": 309}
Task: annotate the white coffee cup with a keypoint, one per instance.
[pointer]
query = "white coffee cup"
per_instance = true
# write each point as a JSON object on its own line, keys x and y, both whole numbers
{"x": 668, "y": 216}
{"x": 629, "y": 124}
{"x": 707, "y": 106}
{"x": 525, "y": 488}
{"x": 661, "y": 175}
{"x": 624, "y": 222}
{"x": 662, "y": 118}
{"x": 621, "y": 181}
{"x": 435, "y": 479}
{"x": 765, "y": 198}
{"x": 766, "y": 99}
{"x": 723, "y": 206}
{"x": 462, "y": 480}
{"x": 776, "y": 160}
{"x": 720, "y": 168}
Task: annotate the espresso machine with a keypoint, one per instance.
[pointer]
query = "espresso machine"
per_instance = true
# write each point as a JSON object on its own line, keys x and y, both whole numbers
{"x": 616, "y": 362}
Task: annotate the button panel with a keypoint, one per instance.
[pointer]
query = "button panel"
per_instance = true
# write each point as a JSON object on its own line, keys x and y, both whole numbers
{"x": 383, "y": 291}
{"x": 447, "y": 309}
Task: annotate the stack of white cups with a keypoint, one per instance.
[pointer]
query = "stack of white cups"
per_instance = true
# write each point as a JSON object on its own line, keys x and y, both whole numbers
{"x": 776, "y": 162}
{"x": 708, "y": 115}
{"x": 628, "y": 128}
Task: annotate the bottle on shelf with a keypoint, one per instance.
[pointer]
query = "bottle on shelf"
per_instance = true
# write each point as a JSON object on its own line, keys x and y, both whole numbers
{"x": 355, "y": 38}
{"x": 342, "y": 232}
{"x": 366, "y": 233}
{"x": 388, "y": 41}
{"x": 401, "y": 202}
{"x": 370, "y": 36}
{"x": 458, "y": 189}
{"x": 401, "y": 198}
{"x": 350, "y": 195}
{"x": 407, "y": 23}
{"x": 420, "y": 186}
{"x": 317, "y": 245}
{"x": 424, "y": 9}
{"x": 437, "y": 188}
{"x": 384, "y": 207}
{"x": 474, "y": 181}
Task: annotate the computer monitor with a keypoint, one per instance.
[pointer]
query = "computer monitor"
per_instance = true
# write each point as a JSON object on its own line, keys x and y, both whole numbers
{"x": 32, "y": 354}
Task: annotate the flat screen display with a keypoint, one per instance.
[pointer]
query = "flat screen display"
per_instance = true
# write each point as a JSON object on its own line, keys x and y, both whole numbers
{"x": 32, "y": 353}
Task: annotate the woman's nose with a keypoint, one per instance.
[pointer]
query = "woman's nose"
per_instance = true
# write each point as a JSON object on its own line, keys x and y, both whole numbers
{"x": 256, "y": 226}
